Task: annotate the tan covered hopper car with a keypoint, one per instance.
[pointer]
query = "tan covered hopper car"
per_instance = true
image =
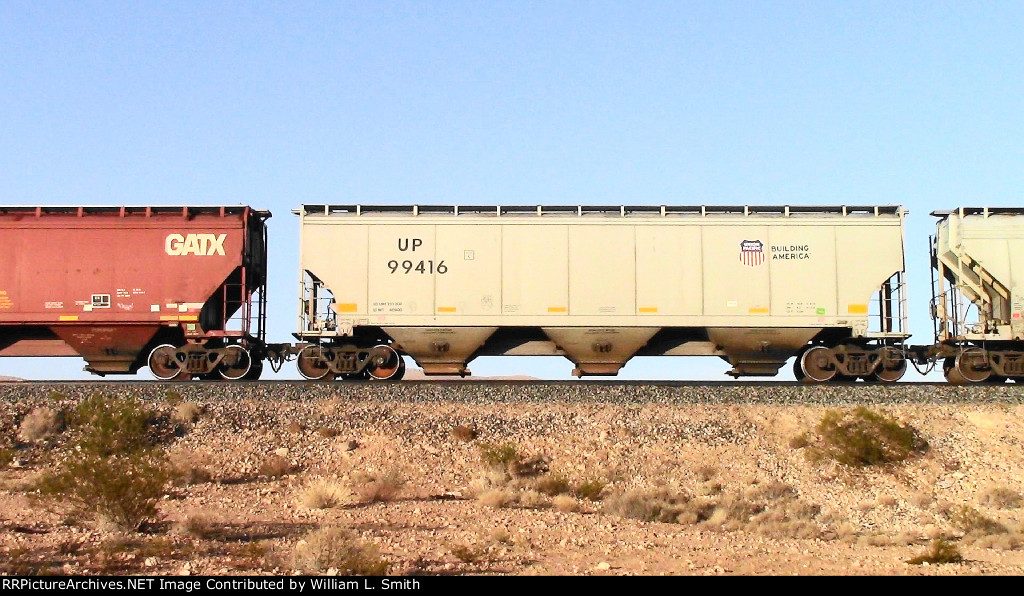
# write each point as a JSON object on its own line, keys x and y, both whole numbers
{"x": 978, "y": 304}
{"x": 599, "y": 285}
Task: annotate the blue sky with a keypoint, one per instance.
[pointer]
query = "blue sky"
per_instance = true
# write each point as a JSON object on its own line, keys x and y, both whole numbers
{"x": 274, "y": 104}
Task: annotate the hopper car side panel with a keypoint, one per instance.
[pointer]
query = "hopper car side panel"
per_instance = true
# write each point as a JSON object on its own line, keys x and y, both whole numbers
{"x": 600, "y": 286}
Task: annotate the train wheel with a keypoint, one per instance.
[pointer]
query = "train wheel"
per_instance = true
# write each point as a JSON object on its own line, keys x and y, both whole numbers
{"x": 816, "y": 365}
{"x": 255, "y": 371}
{"x": 386, "y": 364}
{"x": 972, "y": 364}
{"x": 310, "y": 363}
{"x": 953, "y": 376}
{"x": 892, "y": 366}
{"x": 241, "y": 367}
{"x": 165, "y": 365}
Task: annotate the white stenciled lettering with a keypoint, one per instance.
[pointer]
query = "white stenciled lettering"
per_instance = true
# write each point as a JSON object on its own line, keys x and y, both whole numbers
{"x": 195, "y": 244}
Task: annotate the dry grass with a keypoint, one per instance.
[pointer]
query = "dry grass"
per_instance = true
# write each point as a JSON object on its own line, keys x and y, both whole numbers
{"x": 186, "y": 412}
{"x": 40, "y": 424}
{"x": 886, "y": 501}
{"x": 464, "y": 433}
{"x": 708, "y": 489}
{"x": 327, "y": 432}
{"x": 495, "y": 498}
{"x": 531, "y": 499}
{"x": 654, "y": 505}
{"x": 275, "y": 466}
{"x": 195, "y": 525}
{"x": 325, "y": 494}
{"x": 1001, "y": 498}
{"x": 373, "y": 487}
{"x": 706, "y": 473}
{"x": 939, "y": 552}
{"x": 565, "y": 503}
{"x": 973, "y": 523}
{"x": 922, "y": 499}
{"x": 188, "y": 468}
{"x": 772, "y": 509}
{"x": 337, "y": 551}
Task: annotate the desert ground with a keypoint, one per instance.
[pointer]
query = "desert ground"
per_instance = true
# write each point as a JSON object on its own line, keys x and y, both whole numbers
{"x": 519, "y": 478}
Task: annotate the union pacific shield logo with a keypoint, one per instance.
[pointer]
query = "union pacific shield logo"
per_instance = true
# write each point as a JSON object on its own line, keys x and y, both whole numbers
{"x": 752, "y": 253}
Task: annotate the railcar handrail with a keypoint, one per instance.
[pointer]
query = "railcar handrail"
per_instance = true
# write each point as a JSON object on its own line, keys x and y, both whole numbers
{"x": 607, "y": 210}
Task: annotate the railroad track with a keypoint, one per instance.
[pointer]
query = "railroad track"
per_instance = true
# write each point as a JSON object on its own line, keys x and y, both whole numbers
{"x": 615, "y": 392}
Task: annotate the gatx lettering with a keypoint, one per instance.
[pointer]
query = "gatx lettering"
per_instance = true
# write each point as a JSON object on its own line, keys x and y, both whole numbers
{"x": 195, "y": 244}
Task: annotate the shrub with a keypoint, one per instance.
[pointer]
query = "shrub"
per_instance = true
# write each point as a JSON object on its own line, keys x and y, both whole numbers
{"x": 506, "y": 458}
{"x": 111, "y": 426}
{"x": 553, "y": 486}
{"x": 589, "y": 489}
{"x": 467, "y": 554}
{"x": 374, "y": 487}
{"x": 40, "y": 424}
{"x": 800, "y": 441}
{"x": 499, "y": 457}
{"x": 864, "y": 438}
{"x": 339, "y": 550}
{"x": 531, "y": 499}
{"x": 114, "y": 472}
{"x": 939, "y": 552}
{"x": 324, "y": 494}
{"x": 119, "y": 490}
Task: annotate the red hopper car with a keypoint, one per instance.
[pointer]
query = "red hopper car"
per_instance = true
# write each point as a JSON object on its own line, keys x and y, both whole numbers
{"x": 179, "y": 289}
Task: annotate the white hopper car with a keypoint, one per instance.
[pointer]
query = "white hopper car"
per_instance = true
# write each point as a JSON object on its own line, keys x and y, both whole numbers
{"x": 978, "y": 295}
{"x": 754, "y": 286}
